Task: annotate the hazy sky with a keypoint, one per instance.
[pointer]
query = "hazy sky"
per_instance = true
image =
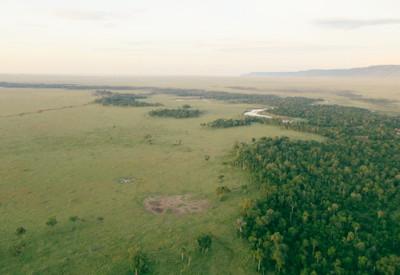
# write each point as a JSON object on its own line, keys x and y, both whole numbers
{"x": 202, "y": 37}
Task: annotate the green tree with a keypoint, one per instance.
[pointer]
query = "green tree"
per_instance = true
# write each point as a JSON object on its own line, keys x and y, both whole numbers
{"x": 204, "y": 242}
{"x": 20, "y": 231}
{"x": 52, "y": 221}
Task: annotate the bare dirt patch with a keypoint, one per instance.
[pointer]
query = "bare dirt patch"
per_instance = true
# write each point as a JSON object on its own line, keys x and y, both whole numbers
{"x": 125, "y": 180}
{"x": 179, "y": 204}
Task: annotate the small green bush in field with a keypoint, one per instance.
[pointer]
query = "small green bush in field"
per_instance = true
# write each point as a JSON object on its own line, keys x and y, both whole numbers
{"x": 204, "y": 241}
{"x": 51, "y": 221}
{"x": 140, "y": 263}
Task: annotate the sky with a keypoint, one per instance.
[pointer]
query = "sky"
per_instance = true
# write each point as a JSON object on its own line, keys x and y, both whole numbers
{"x": 187, "y": 37}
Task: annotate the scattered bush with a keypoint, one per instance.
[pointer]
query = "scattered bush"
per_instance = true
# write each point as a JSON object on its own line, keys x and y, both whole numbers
{"x": 148, "y": 139}
{"x": 222, "y": 191}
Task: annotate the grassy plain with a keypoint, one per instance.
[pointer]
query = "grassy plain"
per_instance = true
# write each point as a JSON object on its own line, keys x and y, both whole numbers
{"x": 328, "y": 88}
{"x": 66, "y": 162}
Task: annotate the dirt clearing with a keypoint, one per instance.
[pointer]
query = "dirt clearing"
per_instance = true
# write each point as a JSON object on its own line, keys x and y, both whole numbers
{"x": 179, "y": 204}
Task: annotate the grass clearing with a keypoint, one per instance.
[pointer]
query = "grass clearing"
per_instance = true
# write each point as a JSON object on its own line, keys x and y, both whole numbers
{"x": 65, "y": 163}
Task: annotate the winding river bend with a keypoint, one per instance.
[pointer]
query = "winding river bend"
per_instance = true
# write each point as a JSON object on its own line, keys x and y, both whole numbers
{"x": 256, "y": 113}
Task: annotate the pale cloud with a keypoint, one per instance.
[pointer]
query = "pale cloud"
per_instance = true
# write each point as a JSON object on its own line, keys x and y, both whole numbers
{"x": 94, "y": 15}
{"x": 85, "y": 15}
{"x": 356, "y": 23}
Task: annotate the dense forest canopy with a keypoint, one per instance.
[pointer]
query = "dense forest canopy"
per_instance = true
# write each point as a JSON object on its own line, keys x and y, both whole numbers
{"x": 230, "y": 122}
{"x": 183, "y": 112}
{"x": 328, "y": 207}
{"x": 123, "y": 100}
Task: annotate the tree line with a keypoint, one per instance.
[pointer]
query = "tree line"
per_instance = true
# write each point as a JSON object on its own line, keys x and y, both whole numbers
{"x": 266, "y": 99}
{"x": 230, "y": 122}
{"x": 183, "y": 112}
{"x": 122, "y": 100}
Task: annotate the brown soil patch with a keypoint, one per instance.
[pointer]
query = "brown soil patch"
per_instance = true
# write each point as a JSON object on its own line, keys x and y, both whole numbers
{"x": 179, "y": 204}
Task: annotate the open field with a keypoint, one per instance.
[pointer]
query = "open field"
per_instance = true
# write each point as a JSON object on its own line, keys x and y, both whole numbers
{"x": 65, "y": 158}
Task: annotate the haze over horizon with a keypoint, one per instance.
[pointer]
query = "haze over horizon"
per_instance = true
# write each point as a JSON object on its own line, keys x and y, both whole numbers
{"x": 157, "y": 37}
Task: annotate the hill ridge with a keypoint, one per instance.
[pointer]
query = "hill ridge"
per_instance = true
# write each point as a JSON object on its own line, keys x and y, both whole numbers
{"x": 375, "y": 70}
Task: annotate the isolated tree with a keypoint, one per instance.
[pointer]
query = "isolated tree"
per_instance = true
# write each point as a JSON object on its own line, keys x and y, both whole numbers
{"x": 20, "y": 231}
{"x": 51, "y": 221}
{"x": 74, "y": 218}
{"x": 204, "y": 242}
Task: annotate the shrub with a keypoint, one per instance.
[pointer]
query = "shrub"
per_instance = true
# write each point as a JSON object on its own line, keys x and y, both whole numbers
{"x": 74, "y": 218}
{"x": 20, "y": 231}
{"x": 140, "y": 263}
{"x": 51, "y": 221}
{"x": 18, "y": 248}
{"x": 221, "y": 190}
{"x": 204, "y": 241}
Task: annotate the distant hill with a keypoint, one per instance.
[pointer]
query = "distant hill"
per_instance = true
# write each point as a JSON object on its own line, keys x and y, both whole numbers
{"x": 371, "y": 71}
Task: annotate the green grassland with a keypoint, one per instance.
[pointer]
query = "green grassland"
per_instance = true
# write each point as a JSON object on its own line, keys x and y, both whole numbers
{"x": 61, "y": 157}
{"x": 329, "y": 88}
